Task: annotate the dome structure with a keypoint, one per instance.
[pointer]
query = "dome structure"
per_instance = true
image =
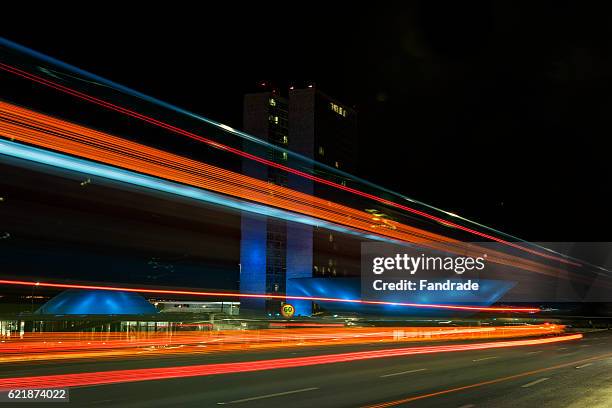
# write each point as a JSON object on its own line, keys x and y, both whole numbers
{"x": 97, "y": 302}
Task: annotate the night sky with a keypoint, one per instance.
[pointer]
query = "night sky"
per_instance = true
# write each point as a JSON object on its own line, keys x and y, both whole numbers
{"x": 497, "y": 111}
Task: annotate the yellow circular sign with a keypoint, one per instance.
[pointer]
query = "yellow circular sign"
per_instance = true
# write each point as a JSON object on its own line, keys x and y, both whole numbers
{"x": 287, "y": 310}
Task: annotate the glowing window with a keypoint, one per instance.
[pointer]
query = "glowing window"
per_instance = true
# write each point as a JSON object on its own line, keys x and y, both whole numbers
{"x": 338, "y": 109}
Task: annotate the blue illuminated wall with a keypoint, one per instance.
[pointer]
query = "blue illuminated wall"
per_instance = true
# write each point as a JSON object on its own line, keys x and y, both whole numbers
{"x": 299, "y": 264}
{"x": 300, "y": 243}
{"x": 253, "y": 260}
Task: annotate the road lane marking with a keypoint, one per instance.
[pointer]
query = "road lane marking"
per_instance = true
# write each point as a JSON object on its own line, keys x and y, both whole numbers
{"x": 535, "y": 382}
{"x": 585, "y": 345}
{"x": 483, "y": 359}
{"x": 277, "y": 394}
{"x": 467, "y": 406}
{"x": 584, "y": 365}
{"x": 403, "y": 372}
{"x": 562, "y": 348}
{"x": 482, "y": 384}
{"x": 534, "y": 352}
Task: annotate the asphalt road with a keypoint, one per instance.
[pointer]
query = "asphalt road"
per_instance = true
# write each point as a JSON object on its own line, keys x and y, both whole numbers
{"x": 569, "y": 374}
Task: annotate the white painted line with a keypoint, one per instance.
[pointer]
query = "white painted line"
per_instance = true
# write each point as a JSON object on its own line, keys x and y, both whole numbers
{"x": 278, "y": 394}
{"x": 562, "y": 348}
{"x": 483, "y": 359}
{"x": 534, "y": 352}
{"x": 403, "y": 372}
{"x": 584, "y": 365}
{"x": 467, "y": 406}
{"x": 585, "y": 345}
{"x": 535, "y": 382}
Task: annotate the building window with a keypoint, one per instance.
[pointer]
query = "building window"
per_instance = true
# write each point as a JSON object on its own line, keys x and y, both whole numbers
{"x": 285, "y": 156}
{"x": 272, "y": 102}
{"x": 321, "y": 151}
{"x": 337, "y": 164}
{"x": 331, "y": 238}
{"x": 338, "y": 109}
{"x": 285, "y": 140}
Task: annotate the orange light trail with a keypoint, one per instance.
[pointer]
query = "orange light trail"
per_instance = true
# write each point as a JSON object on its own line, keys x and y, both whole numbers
{"x": 293, "y": 324}
{"x": 149, "y": 374}
{"x": 50, "y": 342}
{"x": 18, "y": 347}
{"x": 241, "y": 153}
{"x": 269, "y": 296}
{"x": 44, "y": 131}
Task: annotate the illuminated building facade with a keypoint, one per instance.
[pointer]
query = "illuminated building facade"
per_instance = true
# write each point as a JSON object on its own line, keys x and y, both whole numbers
{"x": 263, "y": 245}
{"x": 274, "y": 253}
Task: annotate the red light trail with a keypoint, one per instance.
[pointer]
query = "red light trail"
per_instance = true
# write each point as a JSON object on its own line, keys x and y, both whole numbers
{"x": 149, "y": 374}
{"x": 266, "y": 296}
{"x": 241, "y": 153}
